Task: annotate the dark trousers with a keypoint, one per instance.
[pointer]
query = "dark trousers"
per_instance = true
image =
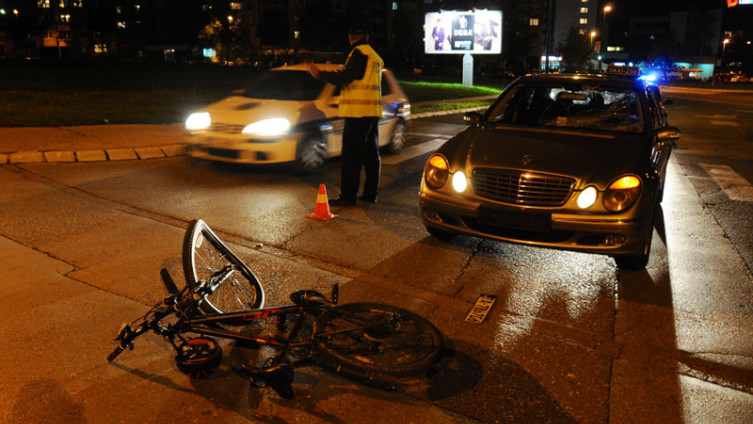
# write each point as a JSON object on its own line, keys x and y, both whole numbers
{"x": 360, "y": 149}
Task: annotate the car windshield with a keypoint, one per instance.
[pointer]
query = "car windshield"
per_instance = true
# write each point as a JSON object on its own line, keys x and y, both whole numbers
{"x": 284, "y": 85}
{"x": 577, "y": 107}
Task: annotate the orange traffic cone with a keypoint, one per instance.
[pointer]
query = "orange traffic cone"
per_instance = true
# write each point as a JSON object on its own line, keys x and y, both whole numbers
{"x": 321, "y": 210}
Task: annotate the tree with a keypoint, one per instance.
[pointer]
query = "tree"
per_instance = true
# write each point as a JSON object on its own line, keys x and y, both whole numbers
{"x": 575, "y": 50}
{"x": 231, "y": 42}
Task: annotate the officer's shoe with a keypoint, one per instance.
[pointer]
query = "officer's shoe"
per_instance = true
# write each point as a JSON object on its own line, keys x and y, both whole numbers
{"x": 342, "y": 201}
{"x": 369, "y": 199}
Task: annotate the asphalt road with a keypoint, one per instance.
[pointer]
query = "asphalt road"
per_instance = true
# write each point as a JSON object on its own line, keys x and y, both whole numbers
{"x": 571, "y": 338}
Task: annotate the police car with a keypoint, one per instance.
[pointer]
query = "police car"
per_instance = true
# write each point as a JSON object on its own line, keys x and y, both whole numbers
{"x": 287, "y": 116}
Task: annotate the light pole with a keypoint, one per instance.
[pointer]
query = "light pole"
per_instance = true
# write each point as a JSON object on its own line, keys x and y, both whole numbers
{"x": 724, "y": 50}
{"x": 605, "y": 30}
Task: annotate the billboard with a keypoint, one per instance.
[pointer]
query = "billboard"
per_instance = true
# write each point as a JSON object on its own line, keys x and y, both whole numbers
{"x": 452, "y": 32}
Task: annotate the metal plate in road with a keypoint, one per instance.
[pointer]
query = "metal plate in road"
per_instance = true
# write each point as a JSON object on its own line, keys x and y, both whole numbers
{"x": 481, "y": 309}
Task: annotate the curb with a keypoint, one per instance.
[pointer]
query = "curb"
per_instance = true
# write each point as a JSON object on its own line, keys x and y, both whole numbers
{"x": 144, "y": 153}
{"x": 97, "y": 155}
{"x": 447, "y": 112}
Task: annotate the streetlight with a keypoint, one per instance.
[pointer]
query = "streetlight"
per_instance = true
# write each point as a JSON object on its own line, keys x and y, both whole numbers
{"x": 608, "y": 8}
{"x": 724, "y": 49}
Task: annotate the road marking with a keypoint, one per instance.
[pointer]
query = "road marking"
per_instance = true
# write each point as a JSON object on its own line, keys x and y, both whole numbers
{"x": 721, "y": 120}
{"x": 725, "y": 123}
{"x": 444, "y": 136}
{"x": 413, "y": 151}
{"x": 717, "y": 116}
{"x": 734, "y": 186}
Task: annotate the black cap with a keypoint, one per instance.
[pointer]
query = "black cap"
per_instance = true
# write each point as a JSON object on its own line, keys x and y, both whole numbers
{"x": 357, "y": 29}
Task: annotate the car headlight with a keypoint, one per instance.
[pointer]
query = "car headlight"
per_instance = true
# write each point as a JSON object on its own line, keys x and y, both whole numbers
{"x": 198, "y": 121}
{"x": 587, "y": 197}
{"x": 436, "y": 172}
{"x": 622, "y": 193}
{"x": 268, "y": 127}
{"x": 459, "y": 182}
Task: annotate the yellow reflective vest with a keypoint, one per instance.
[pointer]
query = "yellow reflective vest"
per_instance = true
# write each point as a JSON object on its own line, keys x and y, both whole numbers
{"x": 363, "y": 98}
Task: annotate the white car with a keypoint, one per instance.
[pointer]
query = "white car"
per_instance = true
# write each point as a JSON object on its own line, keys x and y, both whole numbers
{"x": 287, "y": 116}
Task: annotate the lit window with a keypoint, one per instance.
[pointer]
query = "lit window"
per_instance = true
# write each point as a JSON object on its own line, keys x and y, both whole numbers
{"x": 65, "y": 18}
{"x": 137, "y": 7}
{"x": 584, "y": 21}
{"x": 533, "y": 22}
{"x": 235, "y": 6}
{"x": 394, "y": 5}
{"x": 61, "y": 4}
{"x": 121, "y": 24}
{"x": 43, "y": 4}
{"x": 118, "y": 10}
{"x": 584, "y": 10}
{"x": 76, "y": 3}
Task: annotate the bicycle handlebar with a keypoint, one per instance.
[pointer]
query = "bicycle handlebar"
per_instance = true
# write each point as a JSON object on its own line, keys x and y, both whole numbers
{"x": 175, "y": 303}
{"x": 114, "y": 354}
{"x": 127, "y": 335}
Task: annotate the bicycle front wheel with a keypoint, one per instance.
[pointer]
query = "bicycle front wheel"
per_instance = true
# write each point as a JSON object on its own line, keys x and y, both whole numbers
{"x": 374, "y": 338}
{"x": 203, "y": 255}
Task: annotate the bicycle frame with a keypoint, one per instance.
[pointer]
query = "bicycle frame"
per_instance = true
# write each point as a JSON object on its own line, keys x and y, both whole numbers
{"x": 201, "y": 324}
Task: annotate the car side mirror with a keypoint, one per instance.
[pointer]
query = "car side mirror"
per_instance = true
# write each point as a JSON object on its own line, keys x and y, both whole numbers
{"x": 472, "y": 118}
{"x": 668, "y": 134}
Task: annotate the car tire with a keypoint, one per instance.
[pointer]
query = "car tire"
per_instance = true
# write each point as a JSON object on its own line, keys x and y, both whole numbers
{"x": 440, "y": 234}
{"x": 637, "y": 262}
{"x": 633, "y": 263}
{"x": 311, "y": 155}
{"x": 398, "y": 138}
{"x": 660, "y": 195}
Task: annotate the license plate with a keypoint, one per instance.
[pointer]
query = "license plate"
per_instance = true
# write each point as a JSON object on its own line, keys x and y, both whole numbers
{"x": 225, "y": 153}
{"x": 483, "y": 305}
{"x": 531, "y": 221}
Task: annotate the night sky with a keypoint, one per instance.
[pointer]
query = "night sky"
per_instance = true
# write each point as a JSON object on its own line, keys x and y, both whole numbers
{"x": 625, "y": 9}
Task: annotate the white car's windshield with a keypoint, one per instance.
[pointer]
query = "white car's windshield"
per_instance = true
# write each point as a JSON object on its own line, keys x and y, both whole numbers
{"x": 284, "y": 85}
{"x": 579, "y": 107}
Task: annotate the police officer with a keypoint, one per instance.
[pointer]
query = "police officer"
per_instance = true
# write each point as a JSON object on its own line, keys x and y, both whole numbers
{"x": 361, "y": 107}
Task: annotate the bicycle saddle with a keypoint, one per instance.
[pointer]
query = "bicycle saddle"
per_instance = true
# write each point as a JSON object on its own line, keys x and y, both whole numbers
{"x": 308, "y": 298}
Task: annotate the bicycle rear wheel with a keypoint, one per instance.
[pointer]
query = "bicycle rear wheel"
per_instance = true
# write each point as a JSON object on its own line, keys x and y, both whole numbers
{"x": 374, "y": 338}
{"x": 203, "y": 255}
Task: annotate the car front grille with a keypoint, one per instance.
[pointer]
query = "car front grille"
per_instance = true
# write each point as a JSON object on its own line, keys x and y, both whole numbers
{"x": 522, "y": 188}
{"x": 226, "y": 128}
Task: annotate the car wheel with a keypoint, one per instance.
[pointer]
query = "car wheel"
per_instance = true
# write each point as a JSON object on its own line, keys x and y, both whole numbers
{"x": 397, "y": 140}
{"x": 311, "y": 155}
{"x": 660, "y": 196}
{"x": 440, "y": 234}
{"x": 634, "y": 263}
{"x": 637, "y": 262}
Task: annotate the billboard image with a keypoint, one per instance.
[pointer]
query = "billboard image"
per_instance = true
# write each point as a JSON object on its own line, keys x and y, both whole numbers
{"x": 475, "y": 32}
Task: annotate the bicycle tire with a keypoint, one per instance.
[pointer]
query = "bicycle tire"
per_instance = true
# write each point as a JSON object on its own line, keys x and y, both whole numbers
{"x": 203, "y": 255}
{"x": 396, "y": 342}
